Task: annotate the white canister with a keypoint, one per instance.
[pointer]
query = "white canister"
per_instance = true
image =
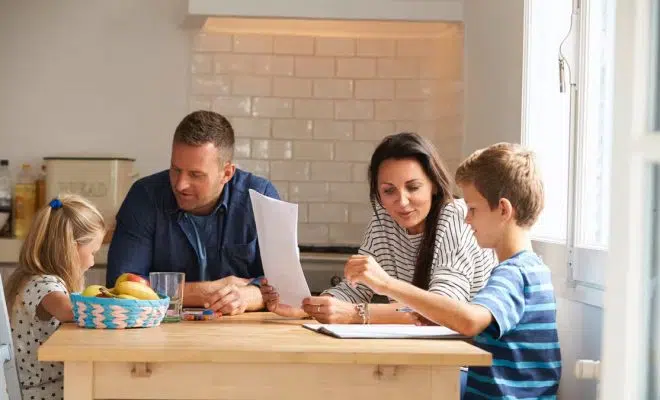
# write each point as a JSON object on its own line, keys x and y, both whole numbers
{"x": 105, "y": 181}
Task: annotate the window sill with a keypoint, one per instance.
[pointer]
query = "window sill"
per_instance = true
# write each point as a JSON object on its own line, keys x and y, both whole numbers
{"x": 555, "y": 256}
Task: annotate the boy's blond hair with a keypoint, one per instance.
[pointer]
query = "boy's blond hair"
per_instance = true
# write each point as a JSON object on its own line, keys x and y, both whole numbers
{"x": 506, "y": 170}
{"x": 51, "y": 245}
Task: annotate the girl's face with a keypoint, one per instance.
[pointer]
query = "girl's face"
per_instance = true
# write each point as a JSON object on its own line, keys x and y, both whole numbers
{"x": 87, "y": 251}
{"x": 405, "y": 192}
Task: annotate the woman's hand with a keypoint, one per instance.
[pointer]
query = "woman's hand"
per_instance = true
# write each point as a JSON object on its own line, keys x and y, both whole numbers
{"x": 328, "y": 310}
{"x": 365, "y": 270}
{"x": 272, "y": 302}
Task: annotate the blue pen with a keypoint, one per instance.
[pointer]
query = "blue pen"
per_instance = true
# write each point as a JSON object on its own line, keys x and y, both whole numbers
{"x": 405, "y": 309}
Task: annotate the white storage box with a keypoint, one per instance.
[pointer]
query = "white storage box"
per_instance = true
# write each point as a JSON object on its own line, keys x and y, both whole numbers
{"x": 103, "y": 180}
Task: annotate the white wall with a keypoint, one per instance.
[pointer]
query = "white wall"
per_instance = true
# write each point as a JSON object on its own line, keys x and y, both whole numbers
{"x": 494, "y": 33}
{"x": 92, "y": 76}
{"x": 309, "y": 101}
{"x": 493, "y": 72}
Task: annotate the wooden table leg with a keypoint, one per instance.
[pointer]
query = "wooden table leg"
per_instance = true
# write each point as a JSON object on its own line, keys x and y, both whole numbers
{"x": 445, "y": 383}
{"x": 78, "y": 381}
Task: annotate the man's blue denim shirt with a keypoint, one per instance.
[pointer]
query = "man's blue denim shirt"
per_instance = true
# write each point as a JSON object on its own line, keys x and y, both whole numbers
{"x": 153, "y": 235}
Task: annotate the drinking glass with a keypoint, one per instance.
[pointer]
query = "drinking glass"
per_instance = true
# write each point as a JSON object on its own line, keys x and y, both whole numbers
{"x": 169, "y": 284}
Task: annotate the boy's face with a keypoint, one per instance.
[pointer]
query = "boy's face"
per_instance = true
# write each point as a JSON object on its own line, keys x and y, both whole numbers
{"x": 486, "y": 224}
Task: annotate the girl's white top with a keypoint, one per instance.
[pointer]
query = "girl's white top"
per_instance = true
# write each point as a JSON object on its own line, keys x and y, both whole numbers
{"x": 39, "y": 380}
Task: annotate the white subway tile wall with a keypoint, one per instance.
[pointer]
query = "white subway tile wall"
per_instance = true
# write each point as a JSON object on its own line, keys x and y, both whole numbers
{"x": 309, "y": 110}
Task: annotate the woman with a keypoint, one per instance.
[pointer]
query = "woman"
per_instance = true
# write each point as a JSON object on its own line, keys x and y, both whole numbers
{"x": 417, "y": 234}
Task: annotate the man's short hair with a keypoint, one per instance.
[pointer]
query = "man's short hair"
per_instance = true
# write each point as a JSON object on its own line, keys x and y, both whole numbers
{"x": 201, "y": 127}
{"x": 506, "y": 170}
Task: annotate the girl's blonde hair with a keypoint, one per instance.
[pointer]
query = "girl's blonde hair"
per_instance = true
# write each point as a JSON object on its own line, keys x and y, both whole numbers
{"x": 51, "y": 245}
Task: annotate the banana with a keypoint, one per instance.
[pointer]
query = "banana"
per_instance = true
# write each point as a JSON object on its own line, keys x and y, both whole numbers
{"x": 135, "y": 289}
{"x": 127, "y": 296}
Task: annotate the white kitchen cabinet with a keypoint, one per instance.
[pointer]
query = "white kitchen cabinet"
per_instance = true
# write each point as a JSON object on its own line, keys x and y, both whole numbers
{"x": 402, "y": 10}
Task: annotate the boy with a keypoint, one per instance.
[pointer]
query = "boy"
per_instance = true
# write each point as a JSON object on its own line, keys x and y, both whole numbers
{"x": 514, "y": 316}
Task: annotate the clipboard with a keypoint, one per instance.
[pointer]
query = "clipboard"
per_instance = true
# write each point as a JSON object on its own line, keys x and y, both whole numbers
{"x": 384, "y": 331}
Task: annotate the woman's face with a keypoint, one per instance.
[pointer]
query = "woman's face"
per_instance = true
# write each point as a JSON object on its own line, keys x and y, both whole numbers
{"x": 405, "y": 192}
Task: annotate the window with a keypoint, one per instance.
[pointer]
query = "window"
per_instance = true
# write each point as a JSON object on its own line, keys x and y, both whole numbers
{"x": 595, "y": 128}
{"x": 546, "y": 111}
{"x": 569, "y": 67}
{"x": 653, "y": 277}
{"x": 631, "y": 354}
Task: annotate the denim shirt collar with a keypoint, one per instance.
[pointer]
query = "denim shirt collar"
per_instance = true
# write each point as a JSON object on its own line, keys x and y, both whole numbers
{"x": 173, "y": 208}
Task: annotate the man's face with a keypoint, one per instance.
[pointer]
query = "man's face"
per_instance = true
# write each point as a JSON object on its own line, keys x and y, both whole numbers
{"x": 197, "y": 176}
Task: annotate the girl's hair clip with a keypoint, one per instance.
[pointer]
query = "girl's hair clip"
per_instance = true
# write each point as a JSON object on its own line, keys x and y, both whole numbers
{"x": 55, "y": 204}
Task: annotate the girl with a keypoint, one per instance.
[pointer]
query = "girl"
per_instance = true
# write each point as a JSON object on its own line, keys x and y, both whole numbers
{"x": 417, "y": 234}
{"x": 57, "y": 251}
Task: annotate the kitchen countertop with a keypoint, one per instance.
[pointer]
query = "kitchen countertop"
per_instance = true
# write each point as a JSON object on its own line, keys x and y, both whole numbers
{"x": 10, "y": 249}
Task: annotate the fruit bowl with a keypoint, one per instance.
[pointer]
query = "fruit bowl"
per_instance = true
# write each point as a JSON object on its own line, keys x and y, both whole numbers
{"x": 117, "y": 313}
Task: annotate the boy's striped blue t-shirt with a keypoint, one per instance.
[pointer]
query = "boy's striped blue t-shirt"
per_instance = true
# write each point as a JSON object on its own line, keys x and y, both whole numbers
{"x": 523, "y": 336}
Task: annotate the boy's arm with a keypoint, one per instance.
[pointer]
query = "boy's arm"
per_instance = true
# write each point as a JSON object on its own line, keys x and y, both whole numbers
{"x": 500, "y": 301}
{"x": 503, "y": 297}
{"x": 464, "y": 318}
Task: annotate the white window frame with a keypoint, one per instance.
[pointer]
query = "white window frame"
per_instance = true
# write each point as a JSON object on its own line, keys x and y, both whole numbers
{"x": 626, "y": 324}
{"x": 585, "y": 266}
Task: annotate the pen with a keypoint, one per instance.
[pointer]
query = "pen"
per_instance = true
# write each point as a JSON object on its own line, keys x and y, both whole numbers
{"x": 405, "y": 309}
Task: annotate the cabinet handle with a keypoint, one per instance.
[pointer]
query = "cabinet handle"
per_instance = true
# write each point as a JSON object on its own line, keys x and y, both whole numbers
{"x": 141, "y": 370}
{"x": 382, "y": 372}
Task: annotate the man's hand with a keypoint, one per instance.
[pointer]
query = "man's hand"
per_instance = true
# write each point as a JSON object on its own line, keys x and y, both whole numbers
{"x": 328, "y": 310}
{"x": 228, "y": 300}
{"x": 230, "y": 295}
{"x": 233, "y": 280}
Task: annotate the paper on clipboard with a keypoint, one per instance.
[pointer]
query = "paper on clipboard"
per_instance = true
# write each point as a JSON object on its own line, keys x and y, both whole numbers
{"x": 277, "y": 232}
{"x": 390, "y": 331}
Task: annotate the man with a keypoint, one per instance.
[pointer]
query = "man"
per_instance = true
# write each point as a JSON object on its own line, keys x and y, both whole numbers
{"x": 195, "y": 218}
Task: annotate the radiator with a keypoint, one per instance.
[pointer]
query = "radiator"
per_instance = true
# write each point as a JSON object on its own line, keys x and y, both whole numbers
{"x": 589, "y": 370}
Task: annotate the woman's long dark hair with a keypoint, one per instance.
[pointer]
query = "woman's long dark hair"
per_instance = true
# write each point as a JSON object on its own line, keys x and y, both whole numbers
{"x": 408, "y": 145}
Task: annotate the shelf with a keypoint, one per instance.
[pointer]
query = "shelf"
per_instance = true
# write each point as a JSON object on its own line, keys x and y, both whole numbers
{"x": 10, "y": 248}
{"x": 400, "y": 10}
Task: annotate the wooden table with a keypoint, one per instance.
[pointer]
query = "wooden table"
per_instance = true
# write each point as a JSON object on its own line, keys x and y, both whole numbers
{"x": 253, "y": 356}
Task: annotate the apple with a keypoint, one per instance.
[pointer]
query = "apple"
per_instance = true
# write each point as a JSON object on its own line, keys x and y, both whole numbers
{"x": 92, "y": 290}
{"x": 129, "y": 277}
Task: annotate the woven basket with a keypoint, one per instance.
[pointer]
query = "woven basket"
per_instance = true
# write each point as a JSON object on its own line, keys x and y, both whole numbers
{"x": 112, "y": 313}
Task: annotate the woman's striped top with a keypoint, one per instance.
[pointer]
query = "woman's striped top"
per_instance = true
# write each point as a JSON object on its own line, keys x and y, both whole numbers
{"x": 460, "y": 267}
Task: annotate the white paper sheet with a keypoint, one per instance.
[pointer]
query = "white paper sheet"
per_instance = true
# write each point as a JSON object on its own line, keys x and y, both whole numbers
{"x": 384, "y": 331}
{"x": 277, "y": 231}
